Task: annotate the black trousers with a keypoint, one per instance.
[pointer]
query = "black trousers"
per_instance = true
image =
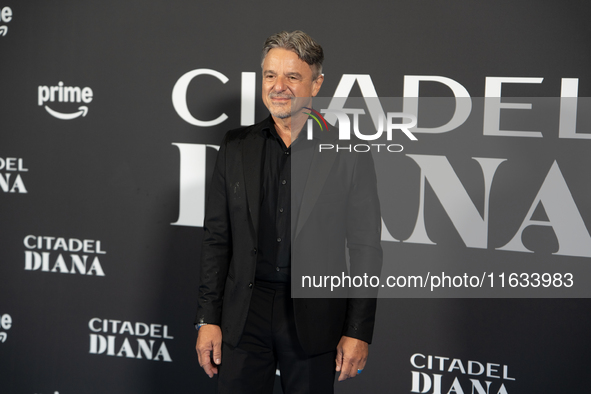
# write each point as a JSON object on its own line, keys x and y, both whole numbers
{"x": 270, "y": 341}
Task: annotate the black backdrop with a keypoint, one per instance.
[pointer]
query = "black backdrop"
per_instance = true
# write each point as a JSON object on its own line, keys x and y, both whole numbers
{"x": 114, "y": 176}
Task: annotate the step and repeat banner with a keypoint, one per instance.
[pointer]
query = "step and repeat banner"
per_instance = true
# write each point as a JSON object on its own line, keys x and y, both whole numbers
{"x": 111, "y": 116}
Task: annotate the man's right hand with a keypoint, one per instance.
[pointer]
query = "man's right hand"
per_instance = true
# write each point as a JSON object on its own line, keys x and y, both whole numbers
{"x": 209, "y": 345}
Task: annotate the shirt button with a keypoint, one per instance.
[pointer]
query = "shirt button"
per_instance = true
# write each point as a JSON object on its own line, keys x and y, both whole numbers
{"x": 281, "y": 210}
{"x": 283, "y": 182}
{"x": 277, "y": 269}
{"x": 287, "y": 152}
{"x": 250, "y": 285}
{"x": 278, "y": 239}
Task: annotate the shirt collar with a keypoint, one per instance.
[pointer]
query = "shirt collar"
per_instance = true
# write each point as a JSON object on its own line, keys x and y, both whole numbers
{"x": 268, "y": 131}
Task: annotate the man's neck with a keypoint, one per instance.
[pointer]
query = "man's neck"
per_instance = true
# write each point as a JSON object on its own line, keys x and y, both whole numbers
{"x": 289, "y": 128}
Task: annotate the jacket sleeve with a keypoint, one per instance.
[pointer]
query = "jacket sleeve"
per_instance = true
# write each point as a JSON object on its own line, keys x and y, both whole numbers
{"x": 364, "y": 224}
{"x": 216, "y": 250}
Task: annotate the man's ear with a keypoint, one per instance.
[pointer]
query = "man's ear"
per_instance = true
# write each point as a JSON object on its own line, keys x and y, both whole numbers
{"x": 316, "y": 84}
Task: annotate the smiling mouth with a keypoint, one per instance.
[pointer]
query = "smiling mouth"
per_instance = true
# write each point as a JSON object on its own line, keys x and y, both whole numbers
{"x": 281, "y": 101}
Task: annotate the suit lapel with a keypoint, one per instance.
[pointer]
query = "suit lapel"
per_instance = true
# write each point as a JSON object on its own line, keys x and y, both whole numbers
{"x": 252, "y": 150}
{"x": 319, "y": 169}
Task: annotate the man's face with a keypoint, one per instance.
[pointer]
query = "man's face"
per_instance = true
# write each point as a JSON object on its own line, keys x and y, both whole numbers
{"x": 286, "y": 76}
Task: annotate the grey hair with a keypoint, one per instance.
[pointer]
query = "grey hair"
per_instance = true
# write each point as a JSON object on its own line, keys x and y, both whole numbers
{"x": 302, "y": 44}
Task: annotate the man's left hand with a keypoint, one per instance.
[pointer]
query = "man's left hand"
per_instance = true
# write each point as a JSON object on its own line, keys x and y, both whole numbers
{"x": 351, "y": 356}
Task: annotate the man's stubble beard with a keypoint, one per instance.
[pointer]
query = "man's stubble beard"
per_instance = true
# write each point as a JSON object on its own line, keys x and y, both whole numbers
{"x": 281, "y": 115}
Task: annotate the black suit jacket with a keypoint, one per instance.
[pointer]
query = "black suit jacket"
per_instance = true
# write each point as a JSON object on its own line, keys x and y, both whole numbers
{"x": 339, "y": 204}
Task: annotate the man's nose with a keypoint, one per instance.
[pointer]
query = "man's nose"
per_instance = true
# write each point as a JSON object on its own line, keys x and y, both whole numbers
{"x": 279, "y": 84}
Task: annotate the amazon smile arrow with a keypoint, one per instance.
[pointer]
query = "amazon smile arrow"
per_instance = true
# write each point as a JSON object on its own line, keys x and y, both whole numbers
{"x": 83, "y": 110}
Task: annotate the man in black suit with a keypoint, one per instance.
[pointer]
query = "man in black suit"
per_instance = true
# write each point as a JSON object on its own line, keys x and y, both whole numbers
{"x": 264, "y": 220}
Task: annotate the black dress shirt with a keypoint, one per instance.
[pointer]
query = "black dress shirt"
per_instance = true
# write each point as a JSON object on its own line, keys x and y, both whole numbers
{"x": 279, "y": 202}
